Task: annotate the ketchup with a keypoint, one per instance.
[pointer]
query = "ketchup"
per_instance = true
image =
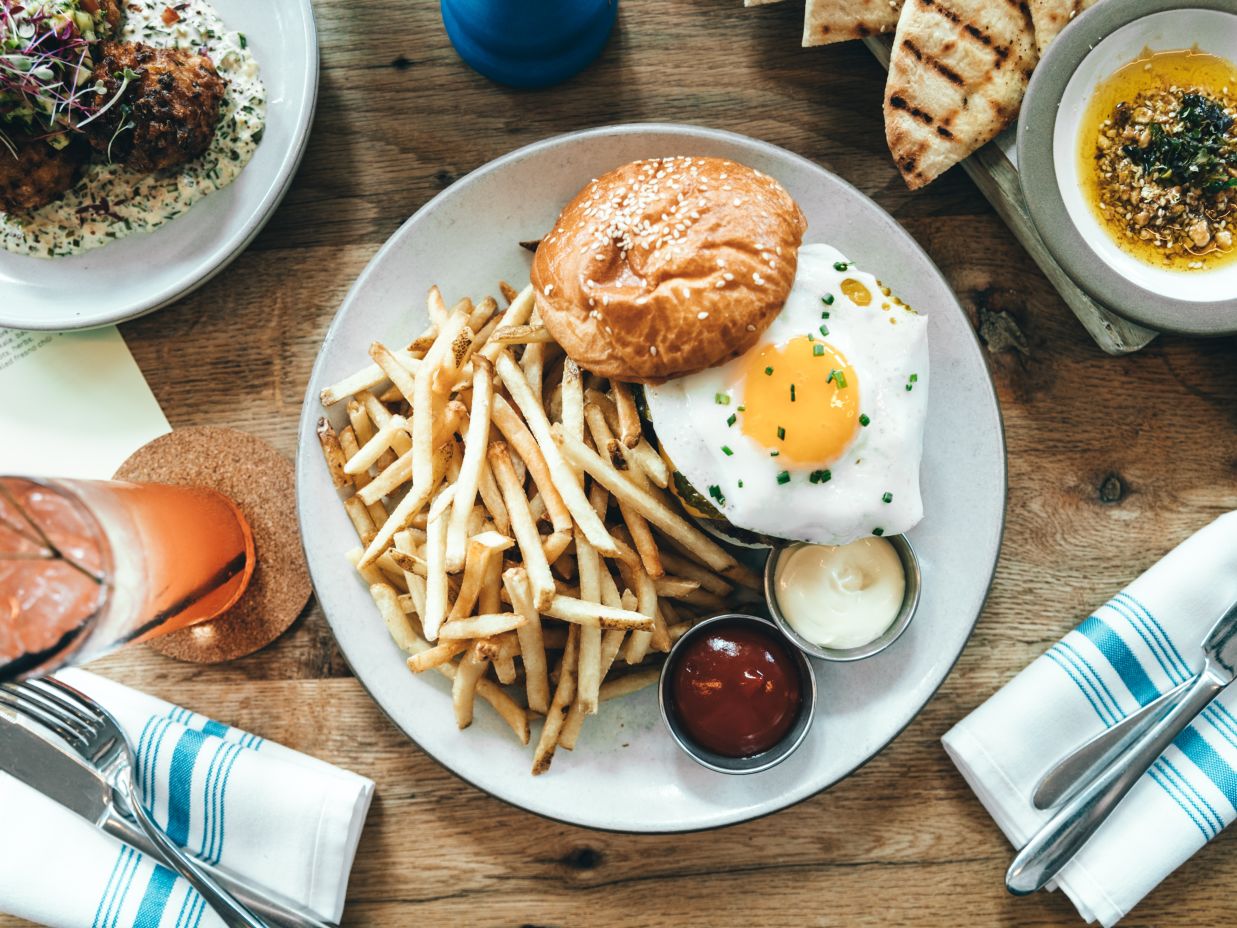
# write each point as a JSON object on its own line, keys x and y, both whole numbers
{"x": 736, "y": 690}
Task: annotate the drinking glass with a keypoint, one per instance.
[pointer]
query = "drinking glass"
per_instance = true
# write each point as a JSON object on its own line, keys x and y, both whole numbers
{"x": 89, "y": 566}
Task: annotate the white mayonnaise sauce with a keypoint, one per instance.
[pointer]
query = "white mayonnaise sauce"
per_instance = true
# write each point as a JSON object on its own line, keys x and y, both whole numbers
{"x": 841, "y": 596}
{"x": 112, "y": 201}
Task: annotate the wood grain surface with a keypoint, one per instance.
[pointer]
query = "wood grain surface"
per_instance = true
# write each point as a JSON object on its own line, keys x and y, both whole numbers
{"x": 1112, "y": 462}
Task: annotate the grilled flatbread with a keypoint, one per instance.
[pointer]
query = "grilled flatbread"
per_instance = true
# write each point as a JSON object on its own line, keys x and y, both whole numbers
{"x": 957, "y": 74}
{"x": 827, "y": 21}
{"x": 1051, "y": 16}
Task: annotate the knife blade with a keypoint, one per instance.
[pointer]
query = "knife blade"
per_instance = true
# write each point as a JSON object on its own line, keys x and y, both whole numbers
{"x": 55, "y": 772}
{"x": 68, "y": 779}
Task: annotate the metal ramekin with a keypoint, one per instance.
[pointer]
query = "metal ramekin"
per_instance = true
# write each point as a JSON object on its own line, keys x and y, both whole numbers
{"x": 757, "y": 762}
{"x": 910, "y": 603}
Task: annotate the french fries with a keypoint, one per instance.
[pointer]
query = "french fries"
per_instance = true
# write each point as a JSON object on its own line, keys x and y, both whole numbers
{"x": 511, "y": 520}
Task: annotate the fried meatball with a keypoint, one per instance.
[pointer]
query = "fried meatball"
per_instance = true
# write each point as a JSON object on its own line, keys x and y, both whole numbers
{"x": 38, "y": 174}
{"x": 168, "y": 113}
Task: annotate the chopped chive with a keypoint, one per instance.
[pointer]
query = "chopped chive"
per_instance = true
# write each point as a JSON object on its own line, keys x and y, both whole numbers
{"x": 909, "y": 388}
{"x": 732, "y": 420}
{"x": 824, "y": 329}
{"x": 827, "y": 299}
{"x": 811, "y": 337}
{"x": 741, "y": 408}
{"x": 836, "y": 376}
{"x": 740, "y": 484}
{"x": 792, "y": 392}
{"x": 769, "y": 371}
{"x": 878, "y": 532}
{"x": 726, "y": 451}
{"x": 840, "y": 265}
{"x": 824, "y": 315}
{"x": 716, "y": 492}
{"x": 818, "y": 350}
{"x": 820, "y": 476}
{"x": 887, "y": 498}
{"x": 783, "y": 477}
{"x": 781, "y": 433}
{"x": 774, "y": 454}
{"x": 914, "y": 378}
{"x": 864, "y": 420}
{"x": 721, "y": 399}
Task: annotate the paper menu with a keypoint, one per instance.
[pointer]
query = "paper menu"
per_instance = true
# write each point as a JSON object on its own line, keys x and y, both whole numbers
{"x": 72, "y": 404}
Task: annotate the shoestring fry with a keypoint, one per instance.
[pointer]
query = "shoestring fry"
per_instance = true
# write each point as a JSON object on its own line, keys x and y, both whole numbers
{"x": 515, "y": 532}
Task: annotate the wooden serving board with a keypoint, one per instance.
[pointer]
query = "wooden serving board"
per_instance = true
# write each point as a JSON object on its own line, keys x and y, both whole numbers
{"x": 997, "y": 179}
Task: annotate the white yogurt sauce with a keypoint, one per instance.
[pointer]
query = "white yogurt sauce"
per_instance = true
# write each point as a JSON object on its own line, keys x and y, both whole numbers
{"x": 841, "y": 596}
{"x": 112, "y": 201}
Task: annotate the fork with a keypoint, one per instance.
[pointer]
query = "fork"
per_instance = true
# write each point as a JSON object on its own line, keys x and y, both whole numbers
{"x": 95, "y": 734}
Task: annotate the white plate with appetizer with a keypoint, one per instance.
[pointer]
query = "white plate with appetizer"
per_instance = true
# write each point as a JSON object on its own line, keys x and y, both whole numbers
{"x": 715, "y": 339}
{"x": 143, "y": 145}
{"x": 1128, "y": 141}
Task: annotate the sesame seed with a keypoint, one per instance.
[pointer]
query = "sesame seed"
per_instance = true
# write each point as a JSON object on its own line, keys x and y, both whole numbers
{"x": 758, "y": 280}
{"x": 652, "y": 349}
{"x": 549, "y": 288}
{"x": 702, "y": 315}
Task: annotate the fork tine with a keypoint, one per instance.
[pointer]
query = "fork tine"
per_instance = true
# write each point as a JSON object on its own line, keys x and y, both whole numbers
{"x": 55, "y": 692}
{"x": 18, "y": 702}
{"x": 53, "y": 707}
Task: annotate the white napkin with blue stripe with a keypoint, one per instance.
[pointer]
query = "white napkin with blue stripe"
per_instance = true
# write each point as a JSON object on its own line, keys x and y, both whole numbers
{"x": 1139, "y": 644}
{"x": 284, "y": 820}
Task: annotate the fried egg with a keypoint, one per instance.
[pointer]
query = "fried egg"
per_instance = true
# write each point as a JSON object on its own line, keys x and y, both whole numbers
{"x": 816, "y": 433}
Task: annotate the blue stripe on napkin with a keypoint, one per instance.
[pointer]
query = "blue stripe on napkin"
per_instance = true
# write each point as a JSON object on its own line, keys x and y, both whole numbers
{"x": 180, "y": 784}
{"x": 155, "y": 899}
{"x": 1137, "y": 608}
{"x": 1194, "y": 746}
{"x": 1173, "y": 793}
{"x": 1122, "y": 659}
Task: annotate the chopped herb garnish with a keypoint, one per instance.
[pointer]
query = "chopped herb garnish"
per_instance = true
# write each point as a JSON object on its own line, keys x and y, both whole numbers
{"x": 716, "y": 492}
{"x": 909, "y": 388}
{"x": 878, "y": 532}
{"x": 836, "y": 376}
{"x": 824, "y": 329}
{"x": 827, "y": 299}
{"x": 740, "y": 484}
{"x": 774, "y": 454}
{"x": 840, "y": 265}
{"x": 741, "y": 408}
{"x": 820, "y": 476}
{"x": 768, "y": 371}
{"x": 887, "y": 498}
{"x": 824, "y": 315}
{"x": 792, "y": 392}
{"x": 783, "y": 477}
{"x": 721, "y": 399}
{"x": 914, "y": 378}
{"x": 732, "y": 420}
{"x": 818, "y": 350}
{"x": 864, "y": 420}
{"x": 726, "y": 451}
{"x": 781, "y": 433}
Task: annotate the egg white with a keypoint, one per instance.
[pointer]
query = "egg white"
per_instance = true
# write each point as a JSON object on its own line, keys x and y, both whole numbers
{"x": 885, "y": 343}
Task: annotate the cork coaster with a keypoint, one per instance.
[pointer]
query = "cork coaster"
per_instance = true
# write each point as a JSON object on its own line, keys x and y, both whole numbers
{"x": 261, "y": 482}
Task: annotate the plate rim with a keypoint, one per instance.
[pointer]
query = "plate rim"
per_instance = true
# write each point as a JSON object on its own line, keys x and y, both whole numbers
{"x": 310, "y": 414}
{"x": 1038, "y": 178}
{"x": 253, "y": 226}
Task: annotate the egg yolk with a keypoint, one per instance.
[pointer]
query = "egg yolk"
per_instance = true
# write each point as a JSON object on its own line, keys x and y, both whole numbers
{"x": 801, "y": 399}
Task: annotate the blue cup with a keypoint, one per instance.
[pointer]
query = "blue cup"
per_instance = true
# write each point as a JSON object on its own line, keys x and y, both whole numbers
{"x": 529, "y": 43}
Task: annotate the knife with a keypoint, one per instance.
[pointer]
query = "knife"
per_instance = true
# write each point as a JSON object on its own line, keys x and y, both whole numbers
{"x": 67, "y": 779}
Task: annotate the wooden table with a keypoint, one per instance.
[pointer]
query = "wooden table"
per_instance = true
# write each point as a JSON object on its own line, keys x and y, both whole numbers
{"x": 1112, "y": 462}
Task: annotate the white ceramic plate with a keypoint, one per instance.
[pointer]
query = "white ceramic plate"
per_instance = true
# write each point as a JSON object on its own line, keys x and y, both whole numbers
{"x": 626, "y": 774}
{"x": 142, "y": 273}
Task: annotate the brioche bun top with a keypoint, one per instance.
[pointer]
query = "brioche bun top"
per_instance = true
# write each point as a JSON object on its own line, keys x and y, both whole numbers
{"x": 667, "y": 266}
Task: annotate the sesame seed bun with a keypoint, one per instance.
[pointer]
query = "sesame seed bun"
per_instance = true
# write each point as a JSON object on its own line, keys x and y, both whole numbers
{"x": 667, "y": 266}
